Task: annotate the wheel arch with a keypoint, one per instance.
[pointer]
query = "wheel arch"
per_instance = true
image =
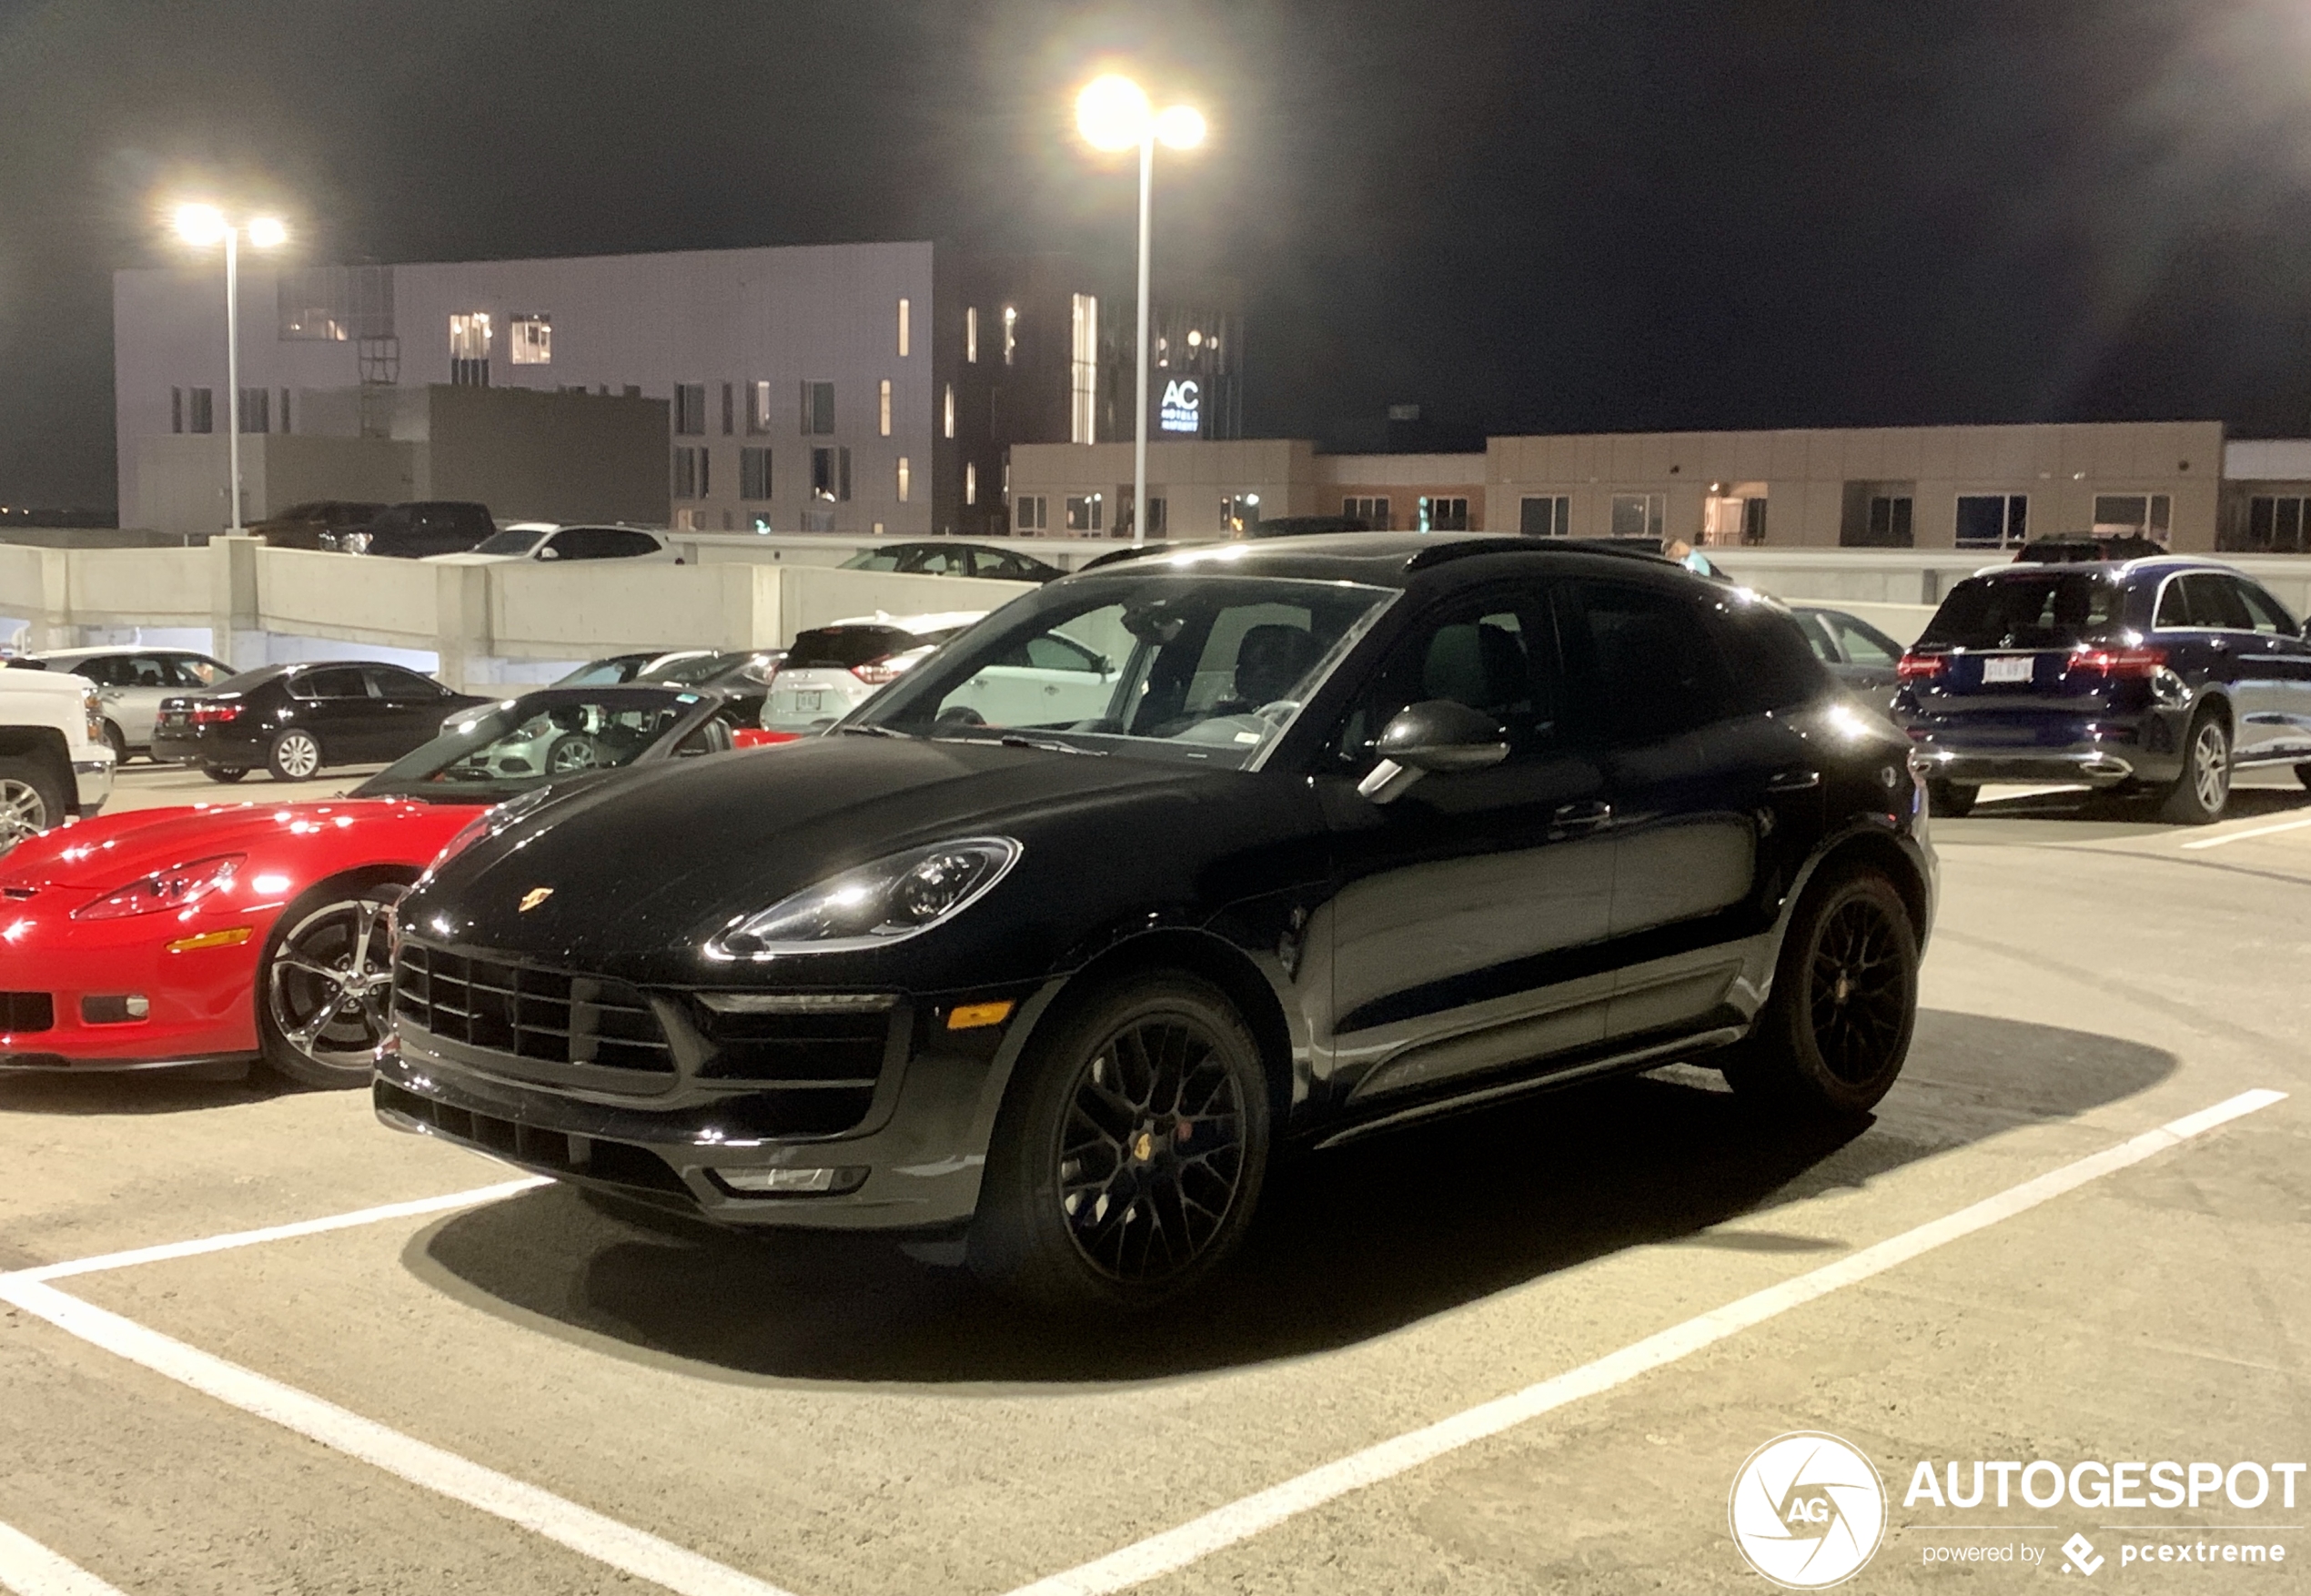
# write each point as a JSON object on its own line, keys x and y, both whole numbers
{"x": 1871, "y": 846}
{"x": 41, "y": 742}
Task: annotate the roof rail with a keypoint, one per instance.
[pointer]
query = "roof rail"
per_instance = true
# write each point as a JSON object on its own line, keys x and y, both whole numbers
{"x": 1117, "y": 556}
{"x": 1467, "y": 548}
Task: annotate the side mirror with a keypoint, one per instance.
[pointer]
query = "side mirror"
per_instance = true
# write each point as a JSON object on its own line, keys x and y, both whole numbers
{"x": 1436, "y": 737}
{"x": 550, "y": 552}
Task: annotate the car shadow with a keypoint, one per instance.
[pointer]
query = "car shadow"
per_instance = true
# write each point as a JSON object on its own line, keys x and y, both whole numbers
{"x": 136, "y": 1091}
{"x": 1349, "y": 1244}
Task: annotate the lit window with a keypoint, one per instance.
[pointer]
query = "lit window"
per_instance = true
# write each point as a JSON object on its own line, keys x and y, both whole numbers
{"x": 903, "y": 330}
{"x": 970, "y": 483}
{"x": 758, "y": 408}
{"x": 469, "y": 349}
{"x": 1010, "y": 332}
{"x": 904, "y": 483}
{"x": 1083, "y": 416}
{"x": 884, "y": 411}
{"x": 530, "y": 340}
{"x": 971, "y": 333}
{"x": 947, "y": 420}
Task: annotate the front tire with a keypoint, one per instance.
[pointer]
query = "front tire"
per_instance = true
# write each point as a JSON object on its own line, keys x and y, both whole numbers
{"x": 325, "y": 984}
{"x": 117, "y": 741}
{"x": 1130, "y": 1152}
{"x": 2202, "y": 791}
{"x": 32, "y": 798}
{"x": 1832, "y": 1036}
{"x": 1949, "y": 800}
{"x": 296, "y": 756}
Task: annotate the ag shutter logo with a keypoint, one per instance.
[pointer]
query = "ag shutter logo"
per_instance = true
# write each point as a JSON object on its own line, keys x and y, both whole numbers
{"x": 1807, "y": 1511}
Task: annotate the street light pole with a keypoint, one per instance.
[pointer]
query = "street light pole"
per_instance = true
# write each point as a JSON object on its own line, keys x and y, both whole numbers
{"x": 233, "y": 374}
{"x": 1139, "y": 438}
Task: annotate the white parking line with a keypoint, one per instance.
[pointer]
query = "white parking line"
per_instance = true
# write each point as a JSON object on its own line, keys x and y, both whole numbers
{"x": 176, "y": 1249}
{"x": 1240, "y": 1520}
{"x": 2257, "y": 831}
{"x": 30, "y": 1568}
{"x": 589, "y": 1533}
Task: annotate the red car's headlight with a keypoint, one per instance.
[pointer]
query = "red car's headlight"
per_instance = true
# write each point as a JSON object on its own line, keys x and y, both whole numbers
{"x": 175, "y": 888}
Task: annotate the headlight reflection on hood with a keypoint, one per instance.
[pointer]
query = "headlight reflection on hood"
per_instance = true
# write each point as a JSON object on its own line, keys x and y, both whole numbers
{"x": 873, "y": 905}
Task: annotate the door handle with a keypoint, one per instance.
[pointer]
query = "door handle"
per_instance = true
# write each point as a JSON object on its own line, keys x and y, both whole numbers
{"x": 1797, "y": 779}
{"x": 1593, "y": 816}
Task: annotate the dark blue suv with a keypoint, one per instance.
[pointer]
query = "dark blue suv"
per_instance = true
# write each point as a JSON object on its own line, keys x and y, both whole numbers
{"x": 2156, "y": 676}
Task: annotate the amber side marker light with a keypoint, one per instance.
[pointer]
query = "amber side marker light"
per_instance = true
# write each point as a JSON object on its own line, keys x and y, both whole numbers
{"x": 207, "y": 939}
{"x": 972, "y": 1016}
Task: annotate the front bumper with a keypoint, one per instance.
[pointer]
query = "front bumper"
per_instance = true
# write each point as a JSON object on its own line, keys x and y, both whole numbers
{"x": 67, "y": 984}
{"x": 92, "y": 780}
{"x": 912, "y": 1159}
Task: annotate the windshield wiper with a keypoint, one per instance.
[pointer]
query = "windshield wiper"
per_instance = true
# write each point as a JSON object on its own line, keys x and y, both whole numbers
{"x": 867, "y": 731}
{"x": 1012, "y": 740}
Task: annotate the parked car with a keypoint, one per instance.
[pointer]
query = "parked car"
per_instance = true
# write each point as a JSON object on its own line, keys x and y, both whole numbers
{"x": 303, "y": 526}
{"x": 130, "y": 684}
{"x": 54, "y": 761}
{"x": 2158, "y": 677}
{"x": 830, "y": 671}
{"x": 1370, "y": 828}
{"x": 2075, "y": 548}
{"x": 945, "y": 557}
{"x": 544, "y": 540}
{"x": 412, "y": 531}
{"x": 218, "y": 934}
{"x": 295, "y": 721}
{"x": 741, "y": 679}
{"x": 1865, "y": 660}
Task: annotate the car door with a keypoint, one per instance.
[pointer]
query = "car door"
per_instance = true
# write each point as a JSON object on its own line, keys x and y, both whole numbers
{"x": 1716, "y": 802}
{"x": 133, "y": 703}
{"x": 2235, "y": 656}
{"x": 2284, "y": 659}
{"x": 333, "y": 703}
{"x": 1469, "y": 910}
{"x": 405, "y": 710}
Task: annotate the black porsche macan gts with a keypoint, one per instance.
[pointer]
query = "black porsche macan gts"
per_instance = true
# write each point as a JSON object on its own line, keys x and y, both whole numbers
{"x": 1055, "y": 942}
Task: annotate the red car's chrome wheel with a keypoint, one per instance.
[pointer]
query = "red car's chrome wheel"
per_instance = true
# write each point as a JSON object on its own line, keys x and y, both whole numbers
{"x": 328, "y": 985}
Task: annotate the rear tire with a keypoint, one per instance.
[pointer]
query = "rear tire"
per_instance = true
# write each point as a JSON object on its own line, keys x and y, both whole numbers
{"x": 32, "y": 798}
{"x": 1950, "y": 799}
{"x": 1831, "y": 1038}
{"x": 325, "y": 983}
{"x": 223, "y": 773}
{"x": 1130, "y": 1152}
{"x": 296, "y": 756}
{"x": 2202, "y": 791}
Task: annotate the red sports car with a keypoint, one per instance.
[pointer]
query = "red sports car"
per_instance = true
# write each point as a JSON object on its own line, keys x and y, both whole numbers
{"x": 221, "y": 934}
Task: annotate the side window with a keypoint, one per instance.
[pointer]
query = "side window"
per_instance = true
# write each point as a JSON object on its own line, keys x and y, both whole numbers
{"x": 1493, "y": 652}
{"x": 146, "y": 671}
{"x": 2174, "y": 606}
{"x": 183, "y": 671}
{"x": 1772, "y": 664}
{"x": 2265, "y": 612}
{"x": 1865, "y": 646}
{"x": 104, "y": 669}
{"x": 341, "y": 683}
{"x": 1047, "y": 653}
{"x": 403, "y": 686}
{"x": 2216, "y": 602}
{"x": 1652, "y": 665}
{"x": 1817, "y": 638}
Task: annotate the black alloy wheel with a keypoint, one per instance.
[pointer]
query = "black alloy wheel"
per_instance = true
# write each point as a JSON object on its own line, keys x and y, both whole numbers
{"x": 1835, "y": 1030}
{"x": 1130, "y": 1153}
{"x": 223, "y": 773}
{"x": 325, "y": 986}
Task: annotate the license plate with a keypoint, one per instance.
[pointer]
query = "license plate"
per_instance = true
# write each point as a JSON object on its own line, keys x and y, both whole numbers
{"x": 807, "y": 701}
{"x": 2011, "y": 668}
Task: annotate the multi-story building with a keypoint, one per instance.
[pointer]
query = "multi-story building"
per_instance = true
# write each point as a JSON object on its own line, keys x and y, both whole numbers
{"x": 854, "y": 388}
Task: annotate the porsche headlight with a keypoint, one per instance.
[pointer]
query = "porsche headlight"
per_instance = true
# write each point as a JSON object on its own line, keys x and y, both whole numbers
{"x": 874, "y": 905}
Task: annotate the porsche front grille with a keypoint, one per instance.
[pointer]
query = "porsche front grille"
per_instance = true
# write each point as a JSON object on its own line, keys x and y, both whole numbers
{"x": 547, "y": 1015}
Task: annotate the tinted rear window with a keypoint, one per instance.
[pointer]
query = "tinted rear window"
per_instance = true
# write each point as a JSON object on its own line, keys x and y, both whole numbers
{"x": 1774, "y": 665}
{"x": 840, "y": 647}
{"x": 2049, "y": 610}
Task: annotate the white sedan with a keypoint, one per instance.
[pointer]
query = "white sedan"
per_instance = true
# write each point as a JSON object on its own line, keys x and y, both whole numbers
{"x": 545, "y": 540}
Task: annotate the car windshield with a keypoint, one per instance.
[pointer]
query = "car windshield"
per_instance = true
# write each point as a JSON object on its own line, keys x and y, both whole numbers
{"x": 1191, "y": 664}
{"x": 512, "y": 540}
{"x": 2052, "y": 610}
{"x": 689, "y": 668}
{"x": 872, "y": 559}
{"x": 510, "y": 748}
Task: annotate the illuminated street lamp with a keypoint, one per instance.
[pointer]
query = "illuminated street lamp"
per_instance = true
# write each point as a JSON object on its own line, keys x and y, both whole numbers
{"x": 202, "y": 226}
{"x": 1112, "y": 114}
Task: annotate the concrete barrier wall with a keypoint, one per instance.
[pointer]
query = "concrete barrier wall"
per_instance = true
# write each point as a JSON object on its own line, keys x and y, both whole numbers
{"x": 150, "y": 587}
{"x": 316, "y": 594}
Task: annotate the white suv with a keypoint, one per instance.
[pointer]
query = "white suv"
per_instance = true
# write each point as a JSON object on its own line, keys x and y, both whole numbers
{"x": 53, "y": 760}
{"x": 832, "y": 670}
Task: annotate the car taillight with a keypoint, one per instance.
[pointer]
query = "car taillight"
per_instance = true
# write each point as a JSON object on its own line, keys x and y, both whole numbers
{"x": 215, "y": 715}
{"x": 2118, "y": 664}
{"x": 876, "y": 673}
{"x": 1915, "y": 666}
{"x": 178, "y": 888}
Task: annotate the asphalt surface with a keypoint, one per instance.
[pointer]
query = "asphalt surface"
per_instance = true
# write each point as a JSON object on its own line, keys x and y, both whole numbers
{"x": 829, "y": 1416}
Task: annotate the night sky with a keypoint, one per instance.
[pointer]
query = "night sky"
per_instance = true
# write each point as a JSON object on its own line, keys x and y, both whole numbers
{"x": 1535, "y": 217}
